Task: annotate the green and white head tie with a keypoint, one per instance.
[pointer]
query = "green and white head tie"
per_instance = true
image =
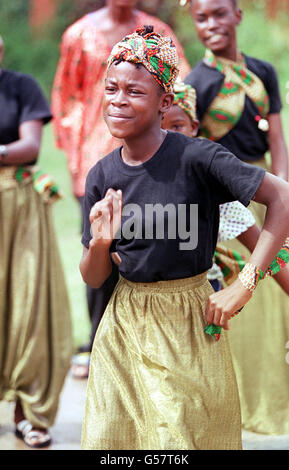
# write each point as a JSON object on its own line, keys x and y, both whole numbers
{"x": 185, "y": 98}
{"x": 156, "y": 53}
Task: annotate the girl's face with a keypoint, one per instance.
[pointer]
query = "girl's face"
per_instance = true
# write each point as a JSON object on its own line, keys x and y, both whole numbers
{"x": 133, "y": 101}
{"x": 216, "y": 22}
{"x": 177, "y": 120}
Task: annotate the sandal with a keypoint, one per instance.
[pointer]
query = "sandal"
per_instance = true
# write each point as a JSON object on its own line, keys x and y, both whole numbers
{"x": 33, "y": 437}
{"x": 80, "y": 365}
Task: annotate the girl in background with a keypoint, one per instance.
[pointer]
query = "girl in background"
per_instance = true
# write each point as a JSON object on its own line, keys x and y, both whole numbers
{"x": 239, "y": 107}
{"x": 35, "y": 324}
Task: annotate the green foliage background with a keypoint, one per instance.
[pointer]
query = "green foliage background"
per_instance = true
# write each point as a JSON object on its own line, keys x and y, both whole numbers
{"x": 38, "y": 55}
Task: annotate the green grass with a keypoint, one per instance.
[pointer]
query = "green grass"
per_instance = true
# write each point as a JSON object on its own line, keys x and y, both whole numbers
{"x": 67, "y": 220}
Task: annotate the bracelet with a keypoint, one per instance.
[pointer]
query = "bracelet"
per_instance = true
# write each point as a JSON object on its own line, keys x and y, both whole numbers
{"x": 3, "y": 153}
{"x": 279, "y": 261}
{"x": 250, "y": 276}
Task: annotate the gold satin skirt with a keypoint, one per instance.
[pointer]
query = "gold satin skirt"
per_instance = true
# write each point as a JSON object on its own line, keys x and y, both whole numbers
{"x": 258, "y": 337}
{"x": 35, "y": 323}
{"x": 156, "y": 380}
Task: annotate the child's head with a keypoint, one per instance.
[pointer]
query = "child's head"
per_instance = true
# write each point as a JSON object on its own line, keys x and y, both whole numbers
{"x": 142, "y": 70}
{"x": 181, "y": 117}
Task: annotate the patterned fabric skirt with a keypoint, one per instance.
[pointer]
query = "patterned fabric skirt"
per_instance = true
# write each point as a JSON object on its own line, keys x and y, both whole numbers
{"x": 156, "y": 380}
{"x": 35, "y": 324}
{"x": 258, "y": 338}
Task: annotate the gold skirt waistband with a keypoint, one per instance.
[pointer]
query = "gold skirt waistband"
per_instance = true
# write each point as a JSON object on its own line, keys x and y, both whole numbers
{"x": 174, "y": 285}
{"x": 8, "y": 179}
{"x": 15, "y": 176}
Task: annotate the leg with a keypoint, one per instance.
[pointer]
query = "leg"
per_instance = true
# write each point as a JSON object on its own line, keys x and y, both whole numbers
{"x": 35, "y": 333}
{"x": 32, "y": 436}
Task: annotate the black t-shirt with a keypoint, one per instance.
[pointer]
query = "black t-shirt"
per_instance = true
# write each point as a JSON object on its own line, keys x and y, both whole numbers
{"x": 21, "y": 99}
{"x": 187, "y": 177}
{"x": 245, "y": 140}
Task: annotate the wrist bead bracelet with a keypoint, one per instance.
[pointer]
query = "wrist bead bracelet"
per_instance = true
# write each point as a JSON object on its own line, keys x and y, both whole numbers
{"x": 250, "y": 276}
{"x": 279, "y": 261}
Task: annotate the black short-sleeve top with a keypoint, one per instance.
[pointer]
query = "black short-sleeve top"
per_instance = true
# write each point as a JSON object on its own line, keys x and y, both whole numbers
{"x": 171, "y": 203}
{"x": 245, "y": 140}
{"x": 21, "y": 100}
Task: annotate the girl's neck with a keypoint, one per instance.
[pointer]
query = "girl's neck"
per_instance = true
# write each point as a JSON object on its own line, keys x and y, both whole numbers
{"x": 120, "y": 14}
{"x": 139, "y": 150}
{"x": 231, "y": 53}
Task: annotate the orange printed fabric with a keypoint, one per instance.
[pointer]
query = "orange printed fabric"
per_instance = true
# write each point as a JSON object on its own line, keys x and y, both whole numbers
{"x": 78, "y": 90}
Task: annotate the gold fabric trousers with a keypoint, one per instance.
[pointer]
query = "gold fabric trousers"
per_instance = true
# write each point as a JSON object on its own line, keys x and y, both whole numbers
{"x": 258, "y": 337}
{"x": 35, "y": 324}
{"x": 156, "y": 380}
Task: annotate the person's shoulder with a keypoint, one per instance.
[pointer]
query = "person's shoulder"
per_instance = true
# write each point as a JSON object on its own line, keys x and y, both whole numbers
{"x": 76, "y": 29}
{"x": 21, "y": 79}
{"x": 85, "y": 28}
{"x": 106, "y": 162}
{"x": 203, "y": 76}
{"x": 259, "y": 65}
{"x": 198, "y": 67}
{"x": 204, "y": 147}
{"x": 196, "y": 72}
{"x": 14, "y": 74}
{"x": 195, "y": 149}
{"x": 179, "y": 138}
{"x": 103, "y": 165}
{"x": 10, "y": 75}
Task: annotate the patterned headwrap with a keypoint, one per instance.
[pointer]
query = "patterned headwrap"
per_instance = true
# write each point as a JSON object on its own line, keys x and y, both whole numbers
{"x": 156, "y": 53}
{"x": 185, "y": 97}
